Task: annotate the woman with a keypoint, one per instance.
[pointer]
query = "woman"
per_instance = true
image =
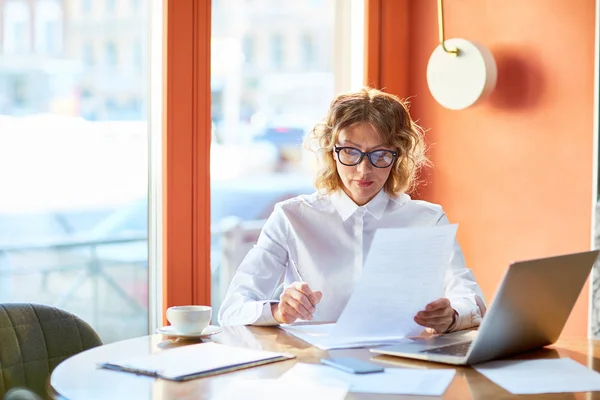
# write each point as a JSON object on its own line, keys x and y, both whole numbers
{"x": 371, "y": 151}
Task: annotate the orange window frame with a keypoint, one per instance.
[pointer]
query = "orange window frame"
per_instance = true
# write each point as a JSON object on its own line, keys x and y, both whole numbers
{"x": 387, "y": 49}
{"x": 186, "y": 152}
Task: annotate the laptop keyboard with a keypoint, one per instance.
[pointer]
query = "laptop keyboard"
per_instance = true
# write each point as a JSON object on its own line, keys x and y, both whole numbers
{"x": 458, "y": 349}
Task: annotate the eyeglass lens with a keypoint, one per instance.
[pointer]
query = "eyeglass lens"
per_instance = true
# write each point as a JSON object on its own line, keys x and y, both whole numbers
{"x": 379, "y": 158}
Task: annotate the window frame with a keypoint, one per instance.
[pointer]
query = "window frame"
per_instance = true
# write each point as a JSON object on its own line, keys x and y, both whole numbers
{"x": 180, "y": 192}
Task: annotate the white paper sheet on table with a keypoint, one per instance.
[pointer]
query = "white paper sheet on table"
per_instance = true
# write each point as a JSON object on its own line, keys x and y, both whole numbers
{"x": 404, "y": 270}
{"x": 320, "y": 337}
{"x": 275, "y": 389}
{"x": 433, "y": 382}
{"x": 558, "y": 375}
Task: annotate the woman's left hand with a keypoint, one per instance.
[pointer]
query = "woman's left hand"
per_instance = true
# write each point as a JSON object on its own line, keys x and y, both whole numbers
{"x": 438, "y": 315}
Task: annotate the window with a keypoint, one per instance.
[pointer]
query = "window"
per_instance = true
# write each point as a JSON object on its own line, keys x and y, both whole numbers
{"x": 17, "y": 23}
{"x": 111, "y": 54}
{"x": 88, "y": 54}
{"x": 110, "y": 6}
{"x": 86, "y": 6}
{"x": 74, "y": 164}
{"x": 137, "y": 54}
{"x": 248, "y": 49}
{"x": 277, "y": 51}
{"x": 51, "y": 45}
{"x": 17, "y": 91}
{"x": 48, "y": 27}
{"x": 308, "y": 51}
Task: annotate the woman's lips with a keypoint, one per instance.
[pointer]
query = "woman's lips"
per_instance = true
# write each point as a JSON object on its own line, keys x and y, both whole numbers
{"x": 364, "y": 183}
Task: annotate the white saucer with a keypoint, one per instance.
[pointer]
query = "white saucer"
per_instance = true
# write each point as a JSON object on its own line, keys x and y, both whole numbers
{"x": 208, "y": 331}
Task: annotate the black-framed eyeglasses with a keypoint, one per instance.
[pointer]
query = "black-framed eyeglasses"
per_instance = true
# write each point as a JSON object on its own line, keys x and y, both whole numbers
{"x": 379, "y": 158}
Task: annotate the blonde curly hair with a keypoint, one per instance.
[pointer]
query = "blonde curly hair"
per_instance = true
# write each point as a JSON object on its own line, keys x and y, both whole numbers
{"x": 389, "y": 116}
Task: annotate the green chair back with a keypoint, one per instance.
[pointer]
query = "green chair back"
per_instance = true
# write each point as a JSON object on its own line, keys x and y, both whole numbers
{"x": 34, "y": 339}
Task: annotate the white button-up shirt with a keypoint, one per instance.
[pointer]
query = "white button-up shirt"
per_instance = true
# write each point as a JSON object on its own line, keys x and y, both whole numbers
{"x": 327, "y": 237}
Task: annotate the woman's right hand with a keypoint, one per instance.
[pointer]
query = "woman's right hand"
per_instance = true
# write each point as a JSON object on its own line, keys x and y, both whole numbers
{"x": 297, "y": 301}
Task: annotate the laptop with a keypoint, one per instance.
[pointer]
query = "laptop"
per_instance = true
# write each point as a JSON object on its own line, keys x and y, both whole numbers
{"x": 529, "y": 311}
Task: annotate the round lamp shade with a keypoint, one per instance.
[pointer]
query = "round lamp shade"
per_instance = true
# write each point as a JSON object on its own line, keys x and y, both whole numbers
{"x": 458, "y": 82}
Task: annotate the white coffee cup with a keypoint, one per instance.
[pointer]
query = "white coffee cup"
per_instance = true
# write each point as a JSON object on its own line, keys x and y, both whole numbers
{"x": 189, "y": 319}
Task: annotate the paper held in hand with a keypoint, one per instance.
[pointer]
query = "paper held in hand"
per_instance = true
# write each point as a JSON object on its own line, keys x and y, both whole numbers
{"x": 404, "y": 271}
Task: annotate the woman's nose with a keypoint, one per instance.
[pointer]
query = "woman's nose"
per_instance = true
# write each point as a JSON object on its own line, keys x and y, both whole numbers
{"x": 364, "y": 165}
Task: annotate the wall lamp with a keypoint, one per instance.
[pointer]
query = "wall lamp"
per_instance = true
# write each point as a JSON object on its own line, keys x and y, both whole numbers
{"x": 460, "y": 73}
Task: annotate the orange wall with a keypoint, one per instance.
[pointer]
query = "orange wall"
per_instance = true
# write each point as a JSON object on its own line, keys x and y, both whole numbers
{"x": 515, "y": 171}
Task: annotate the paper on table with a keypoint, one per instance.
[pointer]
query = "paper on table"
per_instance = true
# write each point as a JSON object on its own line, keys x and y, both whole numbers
{"x": 404, "y": 270}
{"x": 274, "y": 389}
{"x": 320, "y": 336}
{"x": 196, "y": 360}
{"x": 558, "y": 375}
{"x": 393, "y": 380}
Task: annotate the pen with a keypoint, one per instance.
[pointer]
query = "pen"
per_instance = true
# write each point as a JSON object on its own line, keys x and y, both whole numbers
{"x": 126, "y": 368}
{"x": 295, "y": 267}
{"x": 293, "y": 264}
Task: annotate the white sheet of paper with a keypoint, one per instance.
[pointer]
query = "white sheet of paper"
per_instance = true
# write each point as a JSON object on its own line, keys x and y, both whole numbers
{"x": 432, "y": 382}
{"x": 403, "y": 272}
{"x": 320, "y": 337}
{"x": 275, "y": 389}
{"x": 558, "y": 375}
{"x": 195, "y": 358}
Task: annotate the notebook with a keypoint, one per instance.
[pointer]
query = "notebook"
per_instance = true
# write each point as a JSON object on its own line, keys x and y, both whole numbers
{"x": 194, "y": 361}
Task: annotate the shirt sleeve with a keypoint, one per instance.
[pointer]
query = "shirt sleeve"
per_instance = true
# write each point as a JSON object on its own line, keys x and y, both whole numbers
{"x": 253, "y": 287}
{"x": 462, "y": 290}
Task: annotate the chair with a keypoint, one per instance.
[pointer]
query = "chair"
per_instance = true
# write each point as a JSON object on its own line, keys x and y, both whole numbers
{"x": 34, "y": 339}
{"x": 236, "y": 238}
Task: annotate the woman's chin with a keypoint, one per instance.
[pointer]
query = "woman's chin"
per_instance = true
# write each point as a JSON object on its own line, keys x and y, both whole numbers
{"x": 362, "y": 196}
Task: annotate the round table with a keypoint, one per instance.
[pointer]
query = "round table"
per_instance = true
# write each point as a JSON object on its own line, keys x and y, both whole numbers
{"x": 79, "y": 378}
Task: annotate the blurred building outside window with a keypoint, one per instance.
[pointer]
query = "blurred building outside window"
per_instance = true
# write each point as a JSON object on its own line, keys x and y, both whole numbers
{"x": 73, "y": 161}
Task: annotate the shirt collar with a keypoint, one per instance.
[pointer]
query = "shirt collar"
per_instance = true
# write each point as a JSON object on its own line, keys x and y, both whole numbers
{"x": 346, "y": 206}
